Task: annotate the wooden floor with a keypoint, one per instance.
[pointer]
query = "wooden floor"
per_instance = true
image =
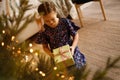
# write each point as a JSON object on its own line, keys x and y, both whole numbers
{"x": 100, "y": 39}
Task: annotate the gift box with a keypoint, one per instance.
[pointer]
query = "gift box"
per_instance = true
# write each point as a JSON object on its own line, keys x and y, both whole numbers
{"x": 63, "y": 56}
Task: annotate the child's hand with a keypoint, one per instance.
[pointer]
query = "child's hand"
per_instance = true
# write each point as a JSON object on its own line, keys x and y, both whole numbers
{"x": 72, "y": 50}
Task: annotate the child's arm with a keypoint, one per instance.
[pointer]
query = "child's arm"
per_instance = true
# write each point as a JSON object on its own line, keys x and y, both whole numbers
{"x": 47, "y": 50}
{"x": 75, "y": 42}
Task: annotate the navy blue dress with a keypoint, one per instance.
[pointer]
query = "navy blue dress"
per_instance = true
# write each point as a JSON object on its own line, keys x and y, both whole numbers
{"x": 61, "y": 35}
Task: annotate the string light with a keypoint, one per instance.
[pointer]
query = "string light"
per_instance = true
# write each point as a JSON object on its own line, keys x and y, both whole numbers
{"x": 33, "y": 62}
{"x": 19, "y": 51}
{"x": 36, "y": 69}
{"x": 3, "y": 31}
{"x": 26, "y": 58}
{"x": 30, "y": 45}
{"x": 40, "y": 72}
{"x": 62, "y": 76}
{"x": 57, "y": 75}
{"x": 36, "y": 53}
{"x": 43, "y": 74}
{"x": 17, "y": 41}
{"x": 12, "y": 38}
{"x": 2, "y": 43}
{"x": 31, "y": 50}
{"x": 71, "y": 78}
{"x": 55, "y": 68}
{"x": 13, "y": 48}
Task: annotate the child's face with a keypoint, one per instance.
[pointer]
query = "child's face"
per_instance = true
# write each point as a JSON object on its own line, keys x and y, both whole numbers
{"x": 51, "y": 19}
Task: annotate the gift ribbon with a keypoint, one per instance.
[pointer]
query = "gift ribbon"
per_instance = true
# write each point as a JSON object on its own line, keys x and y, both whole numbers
{"x": 61, "y": 53}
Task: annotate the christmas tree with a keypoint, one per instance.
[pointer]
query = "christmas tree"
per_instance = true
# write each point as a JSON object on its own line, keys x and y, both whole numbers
{"x": 19, "y": 61}
{"x": 12, "y": 53}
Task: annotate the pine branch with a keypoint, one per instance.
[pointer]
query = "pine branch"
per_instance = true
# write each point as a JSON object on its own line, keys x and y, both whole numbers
{"x": 101, "y": 74}
{"x": 112, "y": 64}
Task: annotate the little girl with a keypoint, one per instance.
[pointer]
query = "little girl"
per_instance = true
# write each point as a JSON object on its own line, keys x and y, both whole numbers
{"x": 59, "y": 32}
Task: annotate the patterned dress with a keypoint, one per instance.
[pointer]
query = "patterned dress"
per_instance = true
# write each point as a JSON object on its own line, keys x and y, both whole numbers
{"x": 61, "y": 35}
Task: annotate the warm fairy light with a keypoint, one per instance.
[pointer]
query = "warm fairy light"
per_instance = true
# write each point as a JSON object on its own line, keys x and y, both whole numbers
{"x": 31, "y": 50}
{"x": 40, "y": 72}
{"x": 36, "y": 53}
{"x": 57, "y": 75}
{"x": 71, "y": 78}
{"x": 43, "y": 74}
{"x": 30, "y": 45}
{"x": 2, "y": 44}
{"x": 13, "y": 48}
{"x": 26, "y": 58}
{"x": 17, "y": 41}
{"x": 36, "y": 69}
{"x": 12, "y": 38}
{"x": 19, "y": 51}
{"x": 3, "y": 31}
{"x": 62, "y": 76}
{"x": 33, "y": 62}
{"x": 55, "y": 68}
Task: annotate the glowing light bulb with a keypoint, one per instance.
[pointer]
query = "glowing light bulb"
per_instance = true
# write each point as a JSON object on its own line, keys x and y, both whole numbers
{"x": 36, "y": 69}
{"x": 55, "y": 68}
{"x": 36, "y": 54}
{"x": 43, "y": 74}
{"x": 3, "y": 31}
{"x": 12, "y": 38}
{"x": 26, "y": 58}
{"x": 31, "y": 50}
{"x": 62, "y": 76}
{"x": 33, "y": 62}
{"x": 13, "y": 48}
{"x": 30, "y": 45}
{"x": 17, "y": 41}
{"x": 71, "y": 78}
{"x": 57, "y": 75}
{"x": 40, "y": 72}
{"x": 2, "y": 43}
{"x": 19, "y": 51}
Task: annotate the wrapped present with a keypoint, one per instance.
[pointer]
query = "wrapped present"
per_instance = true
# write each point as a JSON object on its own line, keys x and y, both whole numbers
{"x": 63, "y": 56}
